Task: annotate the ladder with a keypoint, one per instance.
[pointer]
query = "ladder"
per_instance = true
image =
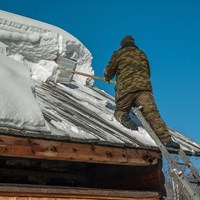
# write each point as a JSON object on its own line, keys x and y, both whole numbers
{"x": 181, "y": 180}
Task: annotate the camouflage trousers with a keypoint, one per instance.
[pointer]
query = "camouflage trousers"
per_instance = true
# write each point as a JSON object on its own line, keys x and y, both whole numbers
{"x": 149, "y": 111}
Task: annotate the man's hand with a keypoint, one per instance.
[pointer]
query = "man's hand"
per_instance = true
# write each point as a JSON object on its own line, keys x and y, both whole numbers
{"x": 107, "y": 79}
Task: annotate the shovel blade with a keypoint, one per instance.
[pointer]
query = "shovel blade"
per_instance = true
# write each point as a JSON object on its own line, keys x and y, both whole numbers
{"x": 64, "y": 71}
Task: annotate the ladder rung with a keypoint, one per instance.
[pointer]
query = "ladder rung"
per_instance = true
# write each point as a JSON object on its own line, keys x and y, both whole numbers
{"x": 180, "y": 163}
{"x": 192, "y": 168}
{"x": 191, "y": 180}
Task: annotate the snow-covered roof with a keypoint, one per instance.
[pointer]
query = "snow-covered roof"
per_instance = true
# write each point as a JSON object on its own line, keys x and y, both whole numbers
{"x": 76, "y": 112}
{"x": 85, "y": 114}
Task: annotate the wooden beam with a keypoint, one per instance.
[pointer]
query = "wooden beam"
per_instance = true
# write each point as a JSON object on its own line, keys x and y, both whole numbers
{"x": 30, "y": 192}
{"x": 71, "y": 198}
{"x": 61, "y": 150}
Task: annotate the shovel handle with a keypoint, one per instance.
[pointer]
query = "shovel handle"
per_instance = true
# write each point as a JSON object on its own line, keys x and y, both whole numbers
{"x": 92, "y": 76}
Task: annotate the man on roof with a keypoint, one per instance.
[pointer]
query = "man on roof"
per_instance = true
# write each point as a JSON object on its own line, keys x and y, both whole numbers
{"x": 134, "y": 89}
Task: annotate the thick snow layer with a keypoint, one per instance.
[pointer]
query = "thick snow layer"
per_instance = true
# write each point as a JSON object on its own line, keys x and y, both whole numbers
{"x": 38, "y": 45}
{"x": 32, "y": 48}
{"x": 18, "y": 106}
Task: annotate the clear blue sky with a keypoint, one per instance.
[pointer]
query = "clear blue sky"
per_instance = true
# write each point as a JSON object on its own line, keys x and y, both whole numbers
{"x": 168, "y": 31}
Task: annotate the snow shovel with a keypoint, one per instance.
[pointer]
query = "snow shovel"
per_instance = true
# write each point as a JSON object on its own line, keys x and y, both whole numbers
{"x": 66, "y": 70}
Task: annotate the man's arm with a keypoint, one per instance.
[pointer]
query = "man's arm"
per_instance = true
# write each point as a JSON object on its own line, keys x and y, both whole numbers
{"x": 144, "y": 57}
{"x": 111, "y": 68}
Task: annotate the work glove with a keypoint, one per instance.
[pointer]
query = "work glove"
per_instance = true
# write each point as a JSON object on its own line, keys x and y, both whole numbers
{"x": 107, "y": 79}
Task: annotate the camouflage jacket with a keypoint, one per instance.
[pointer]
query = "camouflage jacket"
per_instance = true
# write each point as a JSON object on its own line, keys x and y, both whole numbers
{"x": 131, "y": 67}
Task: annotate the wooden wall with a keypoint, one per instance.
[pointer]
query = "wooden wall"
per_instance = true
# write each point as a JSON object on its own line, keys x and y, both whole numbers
{"x": 39, "y": 162}
{"x": 78, "y": 174}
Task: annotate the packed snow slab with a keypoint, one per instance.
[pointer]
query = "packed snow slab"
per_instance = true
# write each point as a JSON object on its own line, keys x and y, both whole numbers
{"x": 38, "y": 45}
{"x": 18, "y": 106}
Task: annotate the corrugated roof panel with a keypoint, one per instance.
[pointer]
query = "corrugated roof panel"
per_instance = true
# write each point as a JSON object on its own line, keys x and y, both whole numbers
{"x": 86, "y": 115}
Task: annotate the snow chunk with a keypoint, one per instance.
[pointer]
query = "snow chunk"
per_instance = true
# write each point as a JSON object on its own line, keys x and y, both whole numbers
{"x": 42, "y": 70}
{"x": 45, "y": 48}
{"x": 76, "y": 51}
{"x": 75, "y": 129}
{"x": 18, "y": 106}
{"x": 3, "y": 48}
{"x": 7, "y": 35}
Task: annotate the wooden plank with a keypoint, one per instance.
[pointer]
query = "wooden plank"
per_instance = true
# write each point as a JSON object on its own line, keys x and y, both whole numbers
{"x": 60, "y": 150}
{"x": 36, "y": 192}
{"x": 73, "y": 198}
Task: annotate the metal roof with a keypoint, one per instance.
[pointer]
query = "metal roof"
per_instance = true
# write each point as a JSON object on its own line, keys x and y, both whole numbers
{"x": 77, "y": 113}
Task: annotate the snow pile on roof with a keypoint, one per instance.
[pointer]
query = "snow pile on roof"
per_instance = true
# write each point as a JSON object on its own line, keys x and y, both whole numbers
{"x": 74, "y": 112}
{"x": 32, "y": 46}
{"x": 38, "y": 45}
{"x": 17, "y": 102}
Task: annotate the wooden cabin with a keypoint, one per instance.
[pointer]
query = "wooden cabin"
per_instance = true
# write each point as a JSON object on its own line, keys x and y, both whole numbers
{"x": 81, "y": 152}
{"x": 53, "y": 170}
{"x": 106, "y": 161}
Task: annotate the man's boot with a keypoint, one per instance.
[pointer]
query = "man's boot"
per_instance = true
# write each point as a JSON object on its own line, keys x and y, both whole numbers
{"x": 128, "y": 122}
{"x": 172, "y": 144}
